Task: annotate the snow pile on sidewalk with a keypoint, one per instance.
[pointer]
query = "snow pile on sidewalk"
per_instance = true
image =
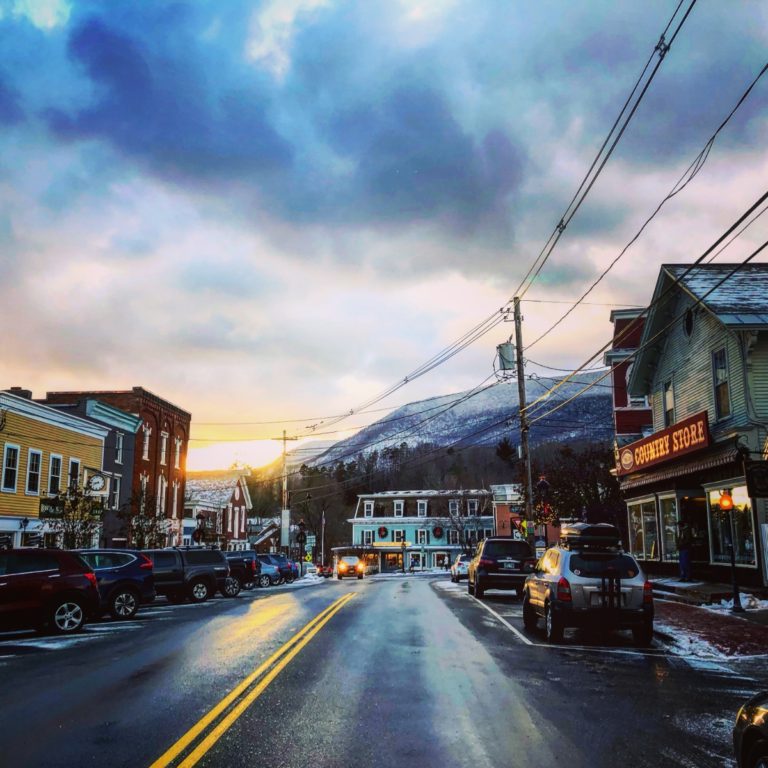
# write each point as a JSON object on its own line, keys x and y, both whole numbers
{"x": 748, "y": 602}
{"x": 682, "y": 643}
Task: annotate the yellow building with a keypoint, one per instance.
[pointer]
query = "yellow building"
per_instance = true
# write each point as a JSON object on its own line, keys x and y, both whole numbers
{"x": 43, "y": 451}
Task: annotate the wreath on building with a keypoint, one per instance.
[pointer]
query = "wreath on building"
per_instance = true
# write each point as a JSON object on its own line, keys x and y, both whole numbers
{"x": 382, "y": 532}
{"x": 438, "y": 531}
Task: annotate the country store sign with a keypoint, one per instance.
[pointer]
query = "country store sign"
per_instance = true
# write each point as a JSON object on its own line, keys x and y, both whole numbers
{"x": 686, "y": 436}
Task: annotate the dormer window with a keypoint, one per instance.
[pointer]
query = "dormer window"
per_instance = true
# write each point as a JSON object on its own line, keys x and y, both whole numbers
{"x": 399, "y": 506}
{"x": 368, "y": 509}
{"x": 421, "y": 508}
{"x": 471, "y": 506}
{"x": 453, "y": 507}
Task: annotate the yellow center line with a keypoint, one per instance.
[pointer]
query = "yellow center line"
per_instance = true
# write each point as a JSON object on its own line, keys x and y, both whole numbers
{"x": 176, "y": 749}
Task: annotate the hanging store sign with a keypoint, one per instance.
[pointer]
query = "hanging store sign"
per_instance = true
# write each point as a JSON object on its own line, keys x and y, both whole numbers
{"x": 686, "y": 436}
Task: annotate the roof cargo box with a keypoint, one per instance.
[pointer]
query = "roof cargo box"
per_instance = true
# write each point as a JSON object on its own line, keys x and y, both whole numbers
{"x": 584, "y": 535}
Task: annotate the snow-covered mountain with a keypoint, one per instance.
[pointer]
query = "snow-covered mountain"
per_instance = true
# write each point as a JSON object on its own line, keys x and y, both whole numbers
{"x": 486, "y": 416}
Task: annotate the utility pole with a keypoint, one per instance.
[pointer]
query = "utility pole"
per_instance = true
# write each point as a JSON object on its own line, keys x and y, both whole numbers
{"x": 524, "y": 428}
{"x": 285, "y": 512}
{"x": 322, "y": 538}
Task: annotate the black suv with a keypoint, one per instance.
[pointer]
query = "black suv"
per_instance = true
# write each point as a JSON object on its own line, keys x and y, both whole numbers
{"x": 189, "y": 572}
{"x": 46, "y": 589}
{"x": 124, "y": 577}
{"x": 500, "y": 562}
{"x": 245, "y": 567}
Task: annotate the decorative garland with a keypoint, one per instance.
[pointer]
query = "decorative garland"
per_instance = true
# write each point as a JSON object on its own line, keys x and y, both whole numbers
{"x": 382, "y": 532}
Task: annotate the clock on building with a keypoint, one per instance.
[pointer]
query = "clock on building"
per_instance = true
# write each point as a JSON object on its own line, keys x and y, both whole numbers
{"x": 97, "y": 482}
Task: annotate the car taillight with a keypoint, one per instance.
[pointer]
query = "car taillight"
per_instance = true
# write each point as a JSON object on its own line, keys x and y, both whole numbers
{"x": 252, "y": 563}
{"x": 483, "y": 563}
{"x": 91, "y": 576}
{"x": 145, "y": 563}
{"x": 564, "y": 590}
{"x": 647, "y": 592}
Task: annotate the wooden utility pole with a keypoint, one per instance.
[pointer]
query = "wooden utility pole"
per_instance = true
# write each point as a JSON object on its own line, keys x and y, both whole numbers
{"x": 524, "y": 428}
{"x": 285, "y": 513}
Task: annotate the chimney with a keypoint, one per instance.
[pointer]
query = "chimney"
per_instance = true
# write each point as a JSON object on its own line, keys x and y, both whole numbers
{"x": 20, "y": 392}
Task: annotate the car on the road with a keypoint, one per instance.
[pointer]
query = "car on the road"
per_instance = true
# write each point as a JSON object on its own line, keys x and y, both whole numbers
{"x": 326, "y": 571}
{"x": 283, "y": 564}
{"x": 245, "y": 567}
{"x": 750, "y": 733}
{"x": 588, "y": 581}
{"x": 500, "y": 562}
{"x": 46, "y": 589}
{"x": 193, "y": 573}
{"x": 459, "y": 567}
{"x": 350, "y": 565}
{"x": 125, "y": 579}
{"x": 310, "y": 568}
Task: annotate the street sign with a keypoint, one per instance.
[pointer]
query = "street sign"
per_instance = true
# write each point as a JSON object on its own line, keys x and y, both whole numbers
{"x": 311, "y": 539}
{"x": 307, "y": 558}
{"x": 307, "y": 548}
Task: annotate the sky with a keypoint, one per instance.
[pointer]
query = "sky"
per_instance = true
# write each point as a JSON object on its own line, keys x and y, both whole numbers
{"x": 270, "y": 212}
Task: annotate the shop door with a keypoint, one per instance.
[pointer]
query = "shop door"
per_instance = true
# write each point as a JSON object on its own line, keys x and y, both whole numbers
{"x": 694, "y": 511}
{"x": 393, "y": 561}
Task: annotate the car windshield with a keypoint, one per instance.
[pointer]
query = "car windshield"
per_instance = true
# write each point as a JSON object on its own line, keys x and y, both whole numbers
{"x": 351, "y": 560}
{"x": 509, "y": 548}
{"x": 603, "y": 564}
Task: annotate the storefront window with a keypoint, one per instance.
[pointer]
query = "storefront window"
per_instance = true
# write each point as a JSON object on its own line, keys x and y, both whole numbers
{"x": 720, "y": 525}
{"x": 669, "y": 518}
{"x": 643, "y": 530}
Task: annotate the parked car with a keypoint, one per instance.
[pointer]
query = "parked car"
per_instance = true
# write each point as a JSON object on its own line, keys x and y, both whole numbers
{"x": 270, "y": 574}
{"x": 459, "y": 568}
{"x": 46, "y": 589}
{"x": 750, "y": 733}
{"x": 350, "y": 565}
{"x": 125, "y": 580}
{"x": 500, "y": 562}
{"x": 188, "y": 572}
{"x": 326, "y": 571}
{"x": 245, "y": 567}
{"x": 283, "y": 564}
{"x": 310, "y": 568}
{"x": 589, "y": 581}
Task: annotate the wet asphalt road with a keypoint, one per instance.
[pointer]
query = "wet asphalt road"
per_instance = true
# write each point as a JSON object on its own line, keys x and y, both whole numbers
{"x": 407, "y": 672}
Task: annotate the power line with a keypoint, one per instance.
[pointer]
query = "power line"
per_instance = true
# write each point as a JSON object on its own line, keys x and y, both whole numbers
{"x": 687, "y": 177}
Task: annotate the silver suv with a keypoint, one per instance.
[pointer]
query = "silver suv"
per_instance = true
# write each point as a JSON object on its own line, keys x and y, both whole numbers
{"x": 587, "y": 580}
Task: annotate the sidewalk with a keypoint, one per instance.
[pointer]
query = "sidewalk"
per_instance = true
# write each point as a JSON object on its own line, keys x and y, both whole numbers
{"x": 696, "y": 618}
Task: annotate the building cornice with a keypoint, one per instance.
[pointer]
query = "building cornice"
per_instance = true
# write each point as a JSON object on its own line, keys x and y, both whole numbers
{"x": 46, "y": 414}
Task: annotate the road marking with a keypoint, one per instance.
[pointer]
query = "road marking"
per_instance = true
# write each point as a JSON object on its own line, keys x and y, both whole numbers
{"x": 516, "y": 631}
{"x": 280, "y": 659}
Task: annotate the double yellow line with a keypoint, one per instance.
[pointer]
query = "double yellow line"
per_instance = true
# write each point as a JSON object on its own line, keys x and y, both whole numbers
{"x": 224, "y": 714}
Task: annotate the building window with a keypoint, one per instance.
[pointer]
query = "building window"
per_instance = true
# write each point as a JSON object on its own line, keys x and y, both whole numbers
{"x": 643, "y": 534}
{"x": 669, "y": 516}
{"x": 163, "y": 447}
{"x": 398, "y": 535}
{"x": 114, "y": 492}
{"x": 368, "y": 508}
{"x": 421, "y": 537}
{"x": 74, "y": 473}
{"x": 453, "y": 536}
{"x": 487, "y": 533}
{"x": 743, "y": 530}
{"x": 10, "y": 467}
{"x": 175, "y": 509}
{"x": 669, "y": 404}
{"x": 177, "y": 453}
{"x": 119, "y": 447}
{"x": 399, "y": 506}
{"x": 145, "y": 450}
{"x": 421, "y": 508}
{"x": 54, "y": 475}
{"x": 367, "y": 538}
{"x": 453, "y": 508}
{"x": 162, "y": 485}
{"x": 34, "y": 466}
{"x": 471, "y": 506}
{"x": 720, "y": 381}
{"x": 634, "y": 400}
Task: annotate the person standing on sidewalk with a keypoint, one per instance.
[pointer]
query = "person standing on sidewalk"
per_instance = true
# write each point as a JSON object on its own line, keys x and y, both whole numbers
{"x": 684, "y": 542}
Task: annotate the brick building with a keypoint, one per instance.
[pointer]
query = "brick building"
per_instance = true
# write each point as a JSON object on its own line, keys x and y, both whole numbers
{"x": 159, "y": 468}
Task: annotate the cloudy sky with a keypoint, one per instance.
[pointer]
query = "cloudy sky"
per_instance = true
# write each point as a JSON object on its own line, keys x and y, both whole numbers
{"x": 271, "y": 211}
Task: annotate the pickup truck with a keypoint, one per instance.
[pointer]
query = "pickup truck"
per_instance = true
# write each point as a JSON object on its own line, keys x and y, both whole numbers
{"x": 245, "y": 567}
{"x": 190, "y": 573}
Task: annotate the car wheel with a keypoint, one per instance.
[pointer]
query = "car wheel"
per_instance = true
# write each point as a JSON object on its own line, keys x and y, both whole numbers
{"x": 199, "y": 591}
{"x": 479, "y": 589}
{"x": 469, "y": 587}
{"x": 643, "y": 636}
{"x": 123, "y": 604}
{"x": 359, "y": 575}
{"x": 758, "y": 755}
{"x": 530, "y": 619}
{"x": 553, "y": 626}
{"x": 264, "y": 580}
{"x": 231, "y": 587}
{"x": 67, "y": 616}
{"x": 338, "y": 576}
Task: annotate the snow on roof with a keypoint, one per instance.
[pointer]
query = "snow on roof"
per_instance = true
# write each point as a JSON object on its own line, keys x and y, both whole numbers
{"x": 741, "y": 299}
{"x": 214, "y": 492}
{"x": 422, "y": 494}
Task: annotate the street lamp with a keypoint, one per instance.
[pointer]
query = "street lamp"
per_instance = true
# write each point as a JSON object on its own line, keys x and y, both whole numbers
{"x": 726, "y": 505}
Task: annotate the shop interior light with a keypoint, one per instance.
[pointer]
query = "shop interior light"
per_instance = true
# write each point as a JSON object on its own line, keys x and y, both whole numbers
{"x": 726, "y": 501}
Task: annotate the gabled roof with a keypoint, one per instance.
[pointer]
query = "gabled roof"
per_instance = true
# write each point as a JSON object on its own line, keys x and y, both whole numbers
{"x": 737, "y": 301}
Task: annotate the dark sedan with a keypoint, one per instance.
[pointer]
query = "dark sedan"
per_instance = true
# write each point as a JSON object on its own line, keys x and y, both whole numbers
{"x": 750, "y": 734}
{"x": 125, "y": 580}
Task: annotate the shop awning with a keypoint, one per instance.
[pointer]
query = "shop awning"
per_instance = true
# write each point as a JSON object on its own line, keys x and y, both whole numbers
{"x": 717, "y": 457}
